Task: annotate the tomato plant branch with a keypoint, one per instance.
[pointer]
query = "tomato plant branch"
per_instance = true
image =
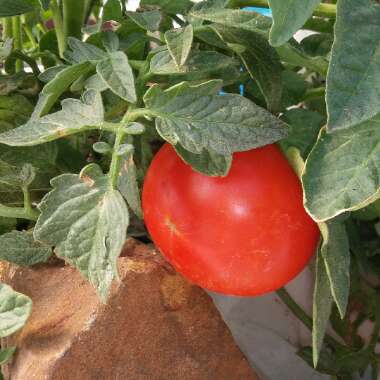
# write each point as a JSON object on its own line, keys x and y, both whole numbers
{"x": 74, "y": 12}
{"x": 7, "y": 28}
{"x": 323, "y": 10}
{"x": 17, "y": 39}
{"x": 32, "y": 213}
{"x": 17, "y": 212}
{"x": 287, "y": 299}
{"x": 58, "y": 26}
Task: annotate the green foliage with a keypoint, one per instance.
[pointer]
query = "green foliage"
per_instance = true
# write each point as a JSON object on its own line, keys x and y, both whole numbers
{"x": 113, "y": 95}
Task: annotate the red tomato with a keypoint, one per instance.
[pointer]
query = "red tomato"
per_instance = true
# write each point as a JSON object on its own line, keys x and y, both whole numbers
{"x": 244, "y": 234}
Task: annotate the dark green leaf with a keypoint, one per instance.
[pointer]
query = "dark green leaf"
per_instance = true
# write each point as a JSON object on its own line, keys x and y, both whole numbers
{"x": 20, "y": 248}
{"x": 6, "y": 354}
{"x": 335, "y": 251}
{"x": 179, "y": 43}
{"x": 288, "y": 17}
{"x": 86, "y": 220}
{"x": 169, "y": 6}
{"x": 75, "y": 116}
{"x": 14, "y": 7}
{"x": 207, "y": 162}
{"x": 128, "y": 185}
{"x": 250, "y": 21}
{"x": 45, "y": 4}
{"x": 198, "y": 118}
{"x": 353, "y": 82}
{"x": 117, "y": 73}
{"x": 322, "y": 303}
{"x": 112, "y": 11}
{"x": 294, "y": 88}
{"x": 342, "y": 171}
{"x": 50, "y": 73}
{"x": 304, "y": 127}
{"x": 148, "y": 20}
{"x": 260, "y": 59}
{"x": 15, "y": 309}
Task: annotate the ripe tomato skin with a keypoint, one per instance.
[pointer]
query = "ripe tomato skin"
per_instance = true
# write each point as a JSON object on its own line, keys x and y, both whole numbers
{"x": 244, "y": 234}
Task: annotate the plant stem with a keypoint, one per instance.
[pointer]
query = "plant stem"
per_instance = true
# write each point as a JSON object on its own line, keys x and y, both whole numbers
{"x": 28, "y": 204}
{"x": 58, "y": 26}
{"x": 287, "y": 299}
{"x": 29, "y": 34}
{"x": 131, "y": 115}
{"x": 74, "y": 13}
{"x": 17, "y": 39}
{"x": 314, "y": 93}
{"x": 135, "y": 64}
{"x": 17, "y": 212}
{"x": 7, "y": 28}
{"x": 323, "y": 10}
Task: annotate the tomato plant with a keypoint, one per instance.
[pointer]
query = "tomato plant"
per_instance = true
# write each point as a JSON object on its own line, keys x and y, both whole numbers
{"x": 90, "y": 91}
{"x": 243, "y": 234}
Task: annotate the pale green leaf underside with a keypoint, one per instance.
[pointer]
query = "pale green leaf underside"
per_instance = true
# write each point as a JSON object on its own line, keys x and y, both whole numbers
{"x": 353, "y": 81}
{"x": 19, "y": 247}
{"x": 198, "y": 118}
{"x": 74, "y": 117}
{"x": 179, "y": 43}
{"x": 117, "y": 73}
{"x": 288, "y": 17}
{"x": 335, "y": 251}
{"x": 322, "y": 303}
{"x": 128, "y": 185}
{"x": 15, "y": 309}
{"x": 342, "y": 172}
{"x": 86, "y": 221}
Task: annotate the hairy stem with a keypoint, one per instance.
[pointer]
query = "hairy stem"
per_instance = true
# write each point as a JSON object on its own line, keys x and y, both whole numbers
{"x": 293, "y": 306}
{"x": 7, "y": 28}
{"x": 17, "y": 39}
{"x": 17, "y": 212}
{"x": 323, "y": 10}
{"x": 58, "y": 26}
{"x": 74, "y": 13}
{"x": 29, "y": 210}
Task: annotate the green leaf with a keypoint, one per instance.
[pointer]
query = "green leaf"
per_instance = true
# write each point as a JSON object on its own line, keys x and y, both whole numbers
{"x": 14, "y": 7}
{"x": 353, "y": 81}
{"x": 260, "y": 59}
{"x": 304, "y": 126}
{"x": 83, "y": 52}
{"x": 288, "y": 17}
{"x": 112, "y": 11}
{"x": 6, "y": 354}
{"x": 322, "y": 303}
{"x": 15, "y": 309}
{"x": 20, "y": 248}
{"x": 207, "y": 162}
{"x": 198, "y": 118}
{"x": 117, "y": 73}
{"x": 17, "y": 177}
{"x": 342, "y": 171}
{"x": 148, "y": 20}
{"x": 179, "y": 43}
{"x": 75, "y": 116}
{"x": 200, "y": 65}
{"x": 335, "y": 251}
{"x": 55, "y": 88}
{"x": 250, "y": 21}
{"x": 169, "y": 6}
{"x": 128, "y": 185}
{"x": 293, "y": 54}
{"x": 86, "y": 220}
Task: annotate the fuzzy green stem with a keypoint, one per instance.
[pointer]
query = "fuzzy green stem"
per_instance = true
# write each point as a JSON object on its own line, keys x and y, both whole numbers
{"x": 7, "y": 28}
{"x": 17, "y": 212}
{"x": 74, "y": 13}
{"x": 30, "y": 36}
{"x": 323, "y": 10}
{"x": 131, "y": 115}
{"x": 58, "y": 26}
{"x": 17, "y": 39}
{"x": 287, "y": 299}
{"x": 314, "y": 93}
{"x": 29, "y": 210}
